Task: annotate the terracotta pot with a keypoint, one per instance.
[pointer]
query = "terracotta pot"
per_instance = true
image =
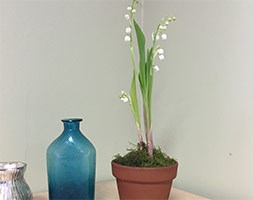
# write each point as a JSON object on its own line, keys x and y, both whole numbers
{"x": 144, "y": 183}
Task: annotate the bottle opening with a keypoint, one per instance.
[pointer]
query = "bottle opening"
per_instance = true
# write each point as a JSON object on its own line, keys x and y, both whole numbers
{"x": 72, "y": 120}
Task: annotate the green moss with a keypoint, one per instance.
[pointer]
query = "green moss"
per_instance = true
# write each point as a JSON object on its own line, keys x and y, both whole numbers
{"x": 138, "y": 157}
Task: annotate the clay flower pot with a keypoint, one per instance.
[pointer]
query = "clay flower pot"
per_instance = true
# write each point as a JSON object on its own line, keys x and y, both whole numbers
{"x": 144, "y": 183}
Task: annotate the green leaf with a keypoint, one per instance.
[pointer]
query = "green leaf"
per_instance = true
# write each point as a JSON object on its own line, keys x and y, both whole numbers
{"x": 150, "y": 76}
{"x": 134, "y": 101}
{"x": 150, "y": 72}
{"x": 141, "y": 45}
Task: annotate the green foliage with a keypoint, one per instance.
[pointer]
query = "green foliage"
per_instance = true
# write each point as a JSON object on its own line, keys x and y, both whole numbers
{"x": 143, "y": 73}
{"x": 134, "y": 101}
{"x": 145, "y": 78}
{"x": 139, "y": 157}
{"x": 141, "y": 45}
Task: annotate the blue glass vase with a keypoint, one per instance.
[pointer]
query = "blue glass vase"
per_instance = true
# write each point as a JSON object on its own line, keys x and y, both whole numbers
{"x": 71, "y": 163}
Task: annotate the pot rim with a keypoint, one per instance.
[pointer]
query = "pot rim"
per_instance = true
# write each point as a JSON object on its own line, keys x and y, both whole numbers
{"x": 141, "y": 168}
{"x": 144, "y": 174}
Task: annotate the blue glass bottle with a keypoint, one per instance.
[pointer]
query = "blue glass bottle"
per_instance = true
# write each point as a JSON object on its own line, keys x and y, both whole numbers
{"x": 71, "y": 163}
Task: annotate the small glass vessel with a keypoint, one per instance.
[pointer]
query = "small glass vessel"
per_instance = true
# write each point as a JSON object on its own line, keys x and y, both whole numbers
{"x": 12, "y": 183}
{"x": 71, "y": 163}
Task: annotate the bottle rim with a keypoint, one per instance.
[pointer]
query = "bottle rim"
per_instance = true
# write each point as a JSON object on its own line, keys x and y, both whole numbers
{"x": 72, "y": 120}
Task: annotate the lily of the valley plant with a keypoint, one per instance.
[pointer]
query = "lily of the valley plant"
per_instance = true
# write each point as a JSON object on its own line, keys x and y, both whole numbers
{"x": 143, "y": 72}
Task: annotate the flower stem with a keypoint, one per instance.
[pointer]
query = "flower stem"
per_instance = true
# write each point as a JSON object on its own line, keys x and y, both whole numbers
{"x": 131, "y": 36}
{"x": 139, "y": 134}
{"x": 140, "y": 138}
{"x": 150, "y": 143}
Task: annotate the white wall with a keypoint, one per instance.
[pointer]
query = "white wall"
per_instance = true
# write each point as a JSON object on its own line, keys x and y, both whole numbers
{"x": 204, "y": 95}
{"x": 62, "y": 59}
{"x": 67, "y": 59}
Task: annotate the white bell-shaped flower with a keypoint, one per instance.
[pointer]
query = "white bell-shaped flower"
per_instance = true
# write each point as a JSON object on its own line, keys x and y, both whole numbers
{"x": 127, "y": 16}
{"x": 128, "y": 30}
{"x": 164, "y": 36}
{"x": 127, "y": 38}
{"x": 160, "y": 51}
{"x": 161, "y": 57}
{"x": 156, "y": 68}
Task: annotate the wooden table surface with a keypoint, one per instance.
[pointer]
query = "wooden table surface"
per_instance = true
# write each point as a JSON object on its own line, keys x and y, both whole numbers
{"x": 108, "y": 191}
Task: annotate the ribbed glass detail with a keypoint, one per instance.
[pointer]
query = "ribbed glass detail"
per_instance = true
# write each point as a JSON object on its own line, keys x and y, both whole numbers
{"x": 12, "y": 183}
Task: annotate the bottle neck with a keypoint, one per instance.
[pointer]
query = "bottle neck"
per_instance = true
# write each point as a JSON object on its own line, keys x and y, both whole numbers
{"x": 71, "y": 124}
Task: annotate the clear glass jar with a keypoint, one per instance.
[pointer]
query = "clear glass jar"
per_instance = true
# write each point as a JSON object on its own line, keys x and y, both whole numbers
{"x": 12, "y": 183}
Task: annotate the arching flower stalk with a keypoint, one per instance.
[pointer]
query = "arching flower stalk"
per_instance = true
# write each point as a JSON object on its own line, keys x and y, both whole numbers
{"x": 144, "y": 74}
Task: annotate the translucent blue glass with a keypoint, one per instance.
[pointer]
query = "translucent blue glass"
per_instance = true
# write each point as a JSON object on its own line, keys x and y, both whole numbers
{"x": 71, "y": 163}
